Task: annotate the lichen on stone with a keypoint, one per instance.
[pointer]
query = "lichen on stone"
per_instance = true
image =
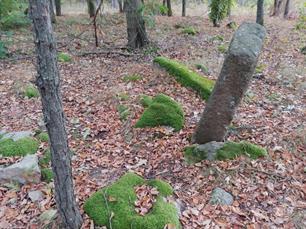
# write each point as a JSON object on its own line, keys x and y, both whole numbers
{"x": 113, "y": 206}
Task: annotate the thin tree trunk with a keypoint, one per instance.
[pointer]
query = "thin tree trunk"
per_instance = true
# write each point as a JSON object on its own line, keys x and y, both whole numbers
{"x": 58, "y": 7}
{"x": 91, "y": 8}
{"x": 260, "y": 12}
{"x": 277, "y": 7}
{"x": 48, "y": 83}
{"x": 137, "y": 35}
{"x": 287, "y": 8}
{"x": 120, "y": 6}
{"x": 169, "y": 8}
{"x": 183, "y": 8}
{"x": 51, "y": 11}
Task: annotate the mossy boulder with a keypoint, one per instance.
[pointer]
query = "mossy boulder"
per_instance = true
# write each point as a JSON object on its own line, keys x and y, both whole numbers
{"x": 162, "y": 111}
{"x": 20, "y": 147}
{"x": 223, "y": 151}
{"x": 187, "y": 77}
{"x": 113, "y": 206}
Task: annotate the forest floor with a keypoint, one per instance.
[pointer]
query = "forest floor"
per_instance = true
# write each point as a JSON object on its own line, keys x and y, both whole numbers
{"x": 269, "y": 192}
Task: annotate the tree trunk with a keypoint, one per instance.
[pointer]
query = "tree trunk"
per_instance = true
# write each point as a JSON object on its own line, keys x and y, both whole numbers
{"x": 183, "y": 8}
{"x": 287, "y": 8}
{"x": 260, "y": 12}
{"x": 120, "y": 6}
{"x": 277, "y": 7}
{"x": 58, "y": 7}
{"x": 48, "y": 83}
{"x": 137, "y": 35}
{"x": 233, "y": 81}
{"x": 91, "y": 8}
{"x": 169, "y": 8}
{"x": 51, "y": 10}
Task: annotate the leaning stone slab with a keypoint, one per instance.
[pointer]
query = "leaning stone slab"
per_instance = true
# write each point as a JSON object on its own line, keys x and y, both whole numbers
{"x": 220, "y": 196}
{"x": 24, "y": 172}
{"x": 233, "y": 81}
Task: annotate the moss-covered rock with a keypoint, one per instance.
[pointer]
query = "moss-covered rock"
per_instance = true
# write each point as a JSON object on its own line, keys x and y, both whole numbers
{"x": 163, "y": 111}
{"x": 223, "y": 151}
{"x": 21, "y": 147}
{"x": 113, "y": 206}
{"x": 187, "y": 77}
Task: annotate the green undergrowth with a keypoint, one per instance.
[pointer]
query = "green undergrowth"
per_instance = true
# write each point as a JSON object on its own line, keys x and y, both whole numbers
{"x": 44, "y": 163}
{"x": 21, "y": 147}
{"x": 124, "y": 111}
{"x": 190, "y": 31}
{"x": 229, "y": 151}
{"x": 145, "y": 100}
{"x": 222, "y": 48}
{"x": 132, "y": 78}
{"x": 64, "y": 57}
{"x": 47, "y": 175}
{"x": 161, "y": 111}
{"x": 30, "y": 91}
{"x": 202, "y": 67}
{"x": 113, "y": 206}
{"x": 187, "y": 77}
{"x": 43, "y": 137}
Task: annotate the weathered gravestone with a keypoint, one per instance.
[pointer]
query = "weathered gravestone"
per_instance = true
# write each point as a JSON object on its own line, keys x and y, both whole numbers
{"x": 233, "y": 81}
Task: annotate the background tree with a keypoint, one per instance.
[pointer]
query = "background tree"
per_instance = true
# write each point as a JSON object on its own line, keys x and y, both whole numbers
{"x": 58, "y": 8}
{"x": 120, "y": 6}
{"x": 48, "y": 83}
{"x": 51, "y": 10}
{"x": 287, "y": 8}
{"x": 219, "y": 9}
{"x": 137, "y": 35}
{"x": 169, "y": 9}
{"x": 260, "y": 12}
{"x": 277, "y": 7}
{"x": 91, "y": 8}
{"x": 183, "y": 8}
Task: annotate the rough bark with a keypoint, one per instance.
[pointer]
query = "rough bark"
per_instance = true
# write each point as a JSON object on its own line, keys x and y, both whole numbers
{"x": 48, "y": 83}
{"x": 183, "y": 8}
{"x": 260, "y": 12}
{"x": 137, "y": 35}
{"x": 287, "y": 8}
{"x": 91, "y": 8}
{"x": 51, "y": 10}
{"x": 169, "y": 12}
{"x": 58, "y": 8}
{"x": 233, "y": 81}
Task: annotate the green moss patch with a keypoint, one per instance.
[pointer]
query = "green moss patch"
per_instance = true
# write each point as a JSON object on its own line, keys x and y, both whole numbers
{"x": 132, "y": 78}
{"x": 43, "y": 137}
{"x": 64, "y": 57}
{"x": 229, "y": 151}
{"x": 47, "y": 175}
{"x": 113, "y": 206}
{"x": 123, "y": 111}
{"x": 146, "y": 100}
{"x": 187, "y": 77}
{"x": 21, "y": 147}
{"x": 163, "y": 111}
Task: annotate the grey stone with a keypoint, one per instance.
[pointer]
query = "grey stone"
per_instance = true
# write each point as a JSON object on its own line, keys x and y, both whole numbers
{"x": 208, "y": 150}
{"x": 35, "y": 195}
{"x": 15, "y": 136}
{"x": 23, "y": 172}
{"x": 48, "y": 215}
{"x": 220, "y": 196}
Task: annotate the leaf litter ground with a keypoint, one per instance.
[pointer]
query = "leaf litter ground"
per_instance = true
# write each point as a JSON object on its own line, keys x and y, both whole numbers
{"x": 268, "y": 192}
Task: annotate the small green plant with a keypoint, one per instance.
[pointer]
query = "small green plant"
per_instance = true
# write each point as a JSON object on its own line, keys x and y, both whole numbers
{"x": 3, "y": 50}
{"x": 132, "y": 78}
{"x": 190, "y": 31}
{"x": 64, "y": 57}
{"x": 203, "y": 68}
{"x": 162, "y": 111}
{"x": 152, "y": 49}
{"x": 21, "y": 147}
{"x": 146, "y": 100}
{"x": 123, "y": 96}
{"x": 260, "y": 68}
{"x": 187, "y": 77}
{"x": 123, "y": 111}
{"x": 217, "y": 38}
{"x": 222, "y": 48}
{"x": 43, "y": 137}
{"x": 301, "y": 24}
{"x": 113, "y": 206}
{"x": 219, "y": 10}
{"x": 47, "y": 175}
{"x": 31, "y": 91}
{"x": 44, "y": 161}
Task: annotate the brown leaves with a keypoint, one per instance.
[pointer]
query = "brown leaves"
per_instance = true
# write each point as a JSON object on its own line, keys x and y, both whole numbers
{"x": 146, "y": 196}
